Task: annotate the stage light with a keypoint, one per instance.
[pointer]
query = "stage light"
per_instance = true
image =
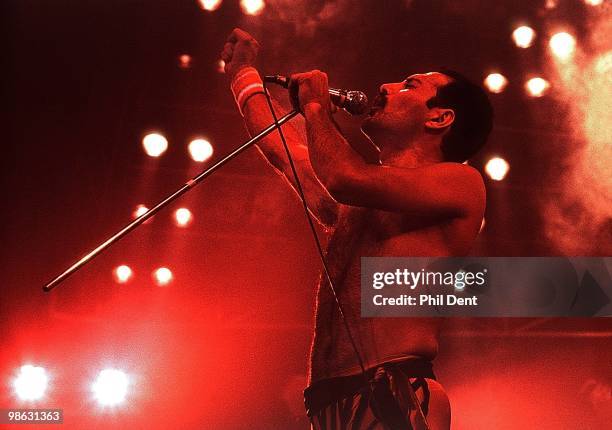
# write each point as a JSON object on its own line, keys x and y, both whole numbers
{"x": 210, "y": 5}
{"x": 551, "y": 4}
{"x": 252, "y": 7}
{"x": 110, "y": 388}
{"x": 162, "y": 276}
{"x": 603, "y": 65}
{"x": 497, "y": 168}
{"x": 221, "y": 66}
{"x": 185, "y": 61}
{"x": 140, "y": 210}
{"x": 154, "y": 144}
{"x": 537, "y": 87}
{"x": 200, "y": 149}
{"x": 496, "y": 82}
{"x": 183, "y": 217}
{"x": 523, "y": 36}
{"x": 122, "y": 274}
{"x": 593, "y": 2}
{"x": 562, "y": 45}
{"x": 31, "y": 382}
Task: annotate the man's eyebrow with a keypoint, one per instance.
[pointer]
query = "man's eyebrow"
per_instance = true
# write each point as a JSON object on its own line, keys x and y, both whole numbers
{"x": 410, "y": 80}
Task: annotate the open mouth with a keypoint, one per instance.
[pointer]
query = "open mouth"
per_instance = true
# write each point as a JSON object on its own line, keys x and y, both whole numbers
{"x": 378, "y": 104}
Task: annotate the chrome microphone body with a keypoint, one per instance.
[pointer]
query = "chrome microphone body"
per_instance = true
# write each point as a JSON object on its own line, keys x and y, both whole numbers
{"x": 354, "y": 102}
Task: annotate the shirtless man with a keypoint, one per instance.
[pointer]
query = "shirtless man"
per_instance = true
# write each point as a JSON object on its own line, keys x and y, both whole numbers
{"x": 420, "y": 200}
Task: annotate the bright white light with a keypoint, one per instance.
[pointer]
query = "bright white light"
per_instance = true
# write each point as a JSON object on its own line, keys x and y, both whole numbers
{"x": 154, "y": 144}
{"x": 200, "y": 149}
{"x": 162, "y": 276}
{"x": 252, "y": 7}
{"x": 497, "y": 168}
{"x": 496, "y": 82}
{"x": 537, "y": 87}
{"x": 183, "y": 217}
{"x": 110, "y": 387}
{"x": 122, "y": 274}
{"x": 140, "y": 210}
{"x": 593, "y": 2}
{"x": 31, "y": 382}
{"x": 562, "y": 45}
{"x": 210, "y": 5}
{"x": 523, "y": 36}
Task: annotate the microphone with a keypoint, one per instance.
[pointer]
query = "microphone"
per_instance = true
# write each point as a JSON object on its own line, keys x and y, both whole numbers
{"x": 354, "y": 102}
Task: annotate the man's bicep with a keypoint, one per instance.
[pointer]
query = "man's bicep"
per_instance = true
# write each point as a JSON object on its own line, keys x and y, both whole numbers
{"x": 444, "y": 189}
{"x": 321, "y": 204}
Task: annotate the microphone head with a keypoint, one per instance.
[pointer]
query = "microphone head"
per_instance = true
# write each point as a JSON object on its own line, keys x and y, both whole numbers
{"x": 356, "y": 103}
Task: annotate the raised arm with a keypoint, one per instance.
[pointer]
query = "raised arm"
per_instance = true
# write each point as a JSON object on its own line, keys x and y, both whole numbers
{"x": 239, "y": 54}
{"x": 442, "y": 189}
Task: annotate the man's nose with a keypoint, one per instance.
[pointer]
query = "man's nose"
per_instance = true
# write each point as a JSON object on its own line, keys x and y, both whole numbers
{"x": 389, "y": 88}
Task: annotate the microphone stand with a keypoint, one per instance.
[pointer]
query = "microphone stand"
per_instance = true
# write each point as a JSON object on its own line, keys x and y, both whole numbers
{"x": 175, "y": 195}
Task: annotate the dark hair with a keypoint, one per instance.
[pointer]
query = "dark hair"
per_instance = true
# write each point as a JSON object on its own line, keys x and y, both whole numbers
{"x": 473, "y": 116}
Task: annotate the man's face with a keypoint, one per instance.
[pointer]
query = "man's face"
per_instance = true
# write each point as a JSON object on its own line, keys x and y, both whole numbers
{"x": 400, "y": 110}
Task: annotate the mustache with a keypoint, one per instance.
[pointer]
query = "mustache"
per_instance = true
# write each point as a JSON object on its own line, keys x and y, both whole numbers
{"x": 380, "y": 100}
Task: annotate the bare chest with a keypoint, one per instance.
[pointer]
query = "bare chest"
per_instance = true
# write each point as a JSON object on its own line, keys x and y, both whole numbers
{"x": 363, "y": 232}
{"x": 371, "y": 232}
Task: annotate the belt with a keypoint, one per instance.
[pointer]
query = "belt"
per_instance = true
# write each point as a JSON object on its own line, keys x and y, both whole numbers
{"x": 328, "y": 391}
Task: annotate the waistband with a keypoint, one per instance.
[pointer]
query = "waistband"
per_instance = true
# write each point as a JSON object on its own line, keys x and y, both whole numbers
{"x": 323, "y": 393}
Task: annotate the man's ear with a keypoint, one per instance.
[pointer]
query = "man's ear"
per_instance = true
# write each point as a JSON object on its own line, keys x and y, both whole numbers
{"x": 439, "y": 118}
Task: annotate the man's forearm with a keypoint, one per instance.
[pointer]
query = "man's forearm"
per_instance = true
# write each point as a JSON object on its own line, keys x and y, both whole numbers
{"x": 239, "y": 54}
{"x": 257, "y": 116}
{"x": 331, "y": 156}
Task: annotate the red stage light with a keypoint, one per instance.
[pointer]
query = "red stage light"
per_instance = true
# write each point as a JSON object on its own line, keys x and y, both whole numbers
{"x": 162, "y": 276}
{"x": 110, "y": 387}
{"x": 183, "y": 217}
{"x": 562, "y": 45}
{"x": 537, "y": 87}
{"x": 200, "y": 149}
{"x": 154, "y": 144}
{"x": 140, "y": 210}
{"x": 31, "y": 383}
{"x": 185, "y": 61}
{"x": 551, "y": 4}
{"x": 221, "y": 66}
{"x": 252, "y": 7}
{"x": 122, "y": 274}
{"x": 496, "y": 82}
{"x": 593, "y": 2}
{"x": 523, "y": 36}
{"x": 497, "y": 168}
{"x": 210, "y": 5}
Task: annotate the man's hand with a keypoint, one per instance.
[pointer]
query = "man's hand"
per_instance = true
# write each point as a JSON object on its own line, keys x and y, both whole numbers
{"x": 240, "y": 50}
{"x": 310, "y": 88}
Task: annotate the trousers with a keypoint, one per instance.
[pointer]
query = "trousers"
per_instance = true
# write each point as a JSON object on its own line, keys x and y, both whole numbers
{"x": 385, "y": 398}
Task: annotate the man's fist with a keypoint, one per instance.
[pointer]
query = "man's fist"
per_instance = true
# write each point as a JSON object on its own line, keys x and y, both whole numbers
{"x": 310, "y": 87}
{"x": 240, "y": 50}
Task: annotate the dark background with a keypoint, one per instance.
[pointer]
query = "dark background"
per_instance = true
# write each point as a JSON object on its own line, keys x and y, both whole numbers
{"x": 225, "y": 345}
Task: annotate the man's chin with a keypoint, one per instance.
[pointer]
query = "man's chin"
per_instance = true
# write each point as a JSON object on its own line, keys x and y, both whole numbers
{"x": 369, "y": 126}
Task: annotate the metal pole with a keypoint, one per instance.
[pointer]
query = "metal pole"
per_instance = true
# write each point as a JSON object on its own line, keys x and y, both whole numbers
{"x": 186, "y": 187}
